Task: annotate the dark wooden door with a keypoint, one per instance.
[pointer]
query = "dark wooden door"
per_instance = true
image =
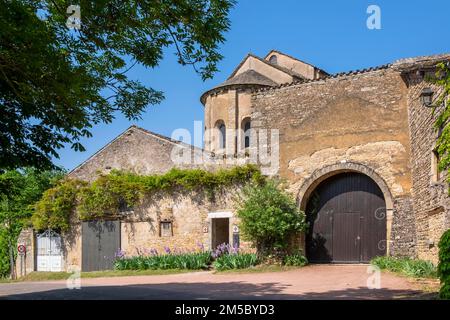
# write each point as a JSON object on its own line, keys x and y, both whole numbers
{"x": 220, "y": 232}
{"x": 100, "y": 243}
{"x": 347, "y": 220}
{"x": 346, "y": 231}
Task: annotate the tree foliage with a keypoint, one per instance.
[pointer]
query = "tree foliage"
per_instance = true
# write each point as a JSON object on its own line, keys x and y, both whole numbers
{"x": 56, "y": 83}
{"x": 19, "y": 190}
{"x": 269, "y": 217}
{"x": 112, "y": 193}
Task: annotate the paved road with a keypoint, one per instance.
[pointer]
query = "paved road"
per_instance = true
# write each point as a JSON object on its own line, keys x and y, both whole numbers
{"x": 312, "y": 282}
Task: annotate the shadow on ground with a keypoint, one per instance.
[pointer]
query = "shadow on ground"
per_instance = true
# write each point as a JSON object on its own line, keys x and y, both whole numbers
{"x": 222, "y": 291}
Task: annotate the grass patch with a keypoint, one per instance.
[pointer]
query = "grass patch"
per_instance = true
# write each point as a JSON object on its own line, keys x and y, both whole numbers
{"x": 409, "y": 267}
{"x": 52, "y": 276}
{"x": 130, "y": 273}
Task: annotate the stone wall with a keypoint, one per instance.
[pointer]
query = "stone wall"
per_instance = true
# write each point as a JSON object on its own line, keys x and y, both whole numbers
{"x": 142, "y": 152}
{"x": 140, "y": 228}
{"x": 359, "y": 119}
{"x": 430, "y": 195}
{"x": 231, "y": 107}
{"x": 25, "y": 263}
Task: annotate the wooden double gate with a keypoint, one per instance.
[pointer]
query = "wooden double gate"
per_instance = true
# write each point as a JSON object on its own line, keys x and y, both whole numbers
{"x": 347, "y": 216}
{"x": 100, "y": 243}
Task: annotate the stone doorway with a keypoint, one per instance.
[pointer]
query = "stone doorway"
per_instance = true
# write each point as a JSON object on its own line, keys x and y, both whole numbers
{"x": 220, "y": 231}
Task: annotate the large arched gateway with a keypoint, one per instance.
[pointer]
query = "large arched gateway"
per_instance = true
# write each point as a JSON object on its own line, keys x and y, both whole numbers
{"x": 347, "y": 216}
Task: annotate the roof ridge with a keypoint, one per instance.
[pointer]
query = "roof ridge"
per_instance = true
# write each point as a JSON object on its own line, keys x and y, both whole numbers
{"x": 133, "y": 126}
{"x": 243, "y": 74}
{"x": 239, "y": 65}
{"x": 331, "y": 76}
{"x": 397, "y": 63}
{"x": 282, "y": 69}
{"x": 163, "y": 137}
{"x": 294, "y": 58}
{"x": 100, "y": 150}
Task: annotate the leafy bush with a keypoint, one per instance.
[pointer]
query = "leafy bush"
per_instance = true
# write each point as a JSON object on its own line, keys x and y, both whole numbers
{"x": 187, "y": 261}
{"x": 52, "y": 210}
{"x": 235, "y": 261}
{"x": 4, "y": 255}
{"x": 269, "y": 217}
{"x": 108, "y": 194}
{"x": 444, "y": 265}
{"x": 19, "y": 190}
{"x": 296, "y": 259}
{"x": 410, "y": 267}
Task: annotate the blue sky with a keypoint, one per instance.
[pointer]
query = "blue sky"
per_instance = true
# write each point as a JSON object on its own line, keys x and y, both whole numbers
{"x": 329, "y": 34}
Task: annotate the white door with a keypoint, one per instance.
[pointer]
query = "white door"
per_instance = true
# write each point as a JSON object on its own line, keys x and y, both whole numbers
{"x": 49, "y": 257}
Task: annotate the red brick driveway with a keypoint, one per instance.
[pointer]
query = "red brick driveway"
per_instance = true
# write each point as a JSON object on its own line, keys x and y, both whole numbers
{"x": 311, "y": 282}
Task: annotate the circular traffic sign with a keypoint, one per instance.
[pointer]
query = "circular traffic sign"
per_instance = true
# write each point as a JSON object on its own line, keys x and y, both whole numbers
{"x": 21, "y": 248}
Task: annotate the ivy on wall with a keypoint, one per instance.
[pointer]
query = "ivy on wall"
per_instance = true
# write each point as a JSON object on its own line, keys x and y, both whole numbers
{"x": 110, "y": 193}
{"x": 442, "y": 79}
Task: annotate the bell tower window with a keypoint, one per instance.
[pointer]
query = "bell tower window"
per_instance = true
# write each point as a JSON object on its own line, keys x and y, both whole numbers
{"x": 221, "y": 134}
{"x": 273, "y": 59}
{"x": 246, "y": 126}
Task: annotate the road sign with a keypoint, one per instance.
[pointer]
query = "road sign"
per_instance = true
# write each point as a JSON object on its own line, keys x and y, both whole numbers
{"x": 21, "y": 249}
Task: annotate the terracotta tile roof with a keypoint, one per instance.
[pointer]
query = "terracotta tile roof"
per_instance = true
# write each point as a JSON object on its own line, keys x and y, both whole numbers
{"x": 249, "y": 77}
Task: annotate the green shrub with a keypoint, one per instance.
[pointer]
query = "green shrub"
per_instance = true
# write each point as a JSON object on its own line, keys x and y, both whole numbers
{"x": 109, "y": 193}
{"x": 235, "y": 261}
{"x": 419, "y": 268}
{"x": 19, "y": 190}
{"x": 444, "y": 265}
{"x": 409, "y": 267}
{"x": 187, "y": 261}
{"x": 296, "y": 259}
{"x": 269, "y": 217}
{"x": 4, "y": 255}
{"x": 52, "y": 210}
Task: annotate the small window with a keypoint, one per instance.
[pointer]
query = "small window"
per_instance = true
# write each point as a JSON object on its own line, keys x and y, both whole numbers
{"x": 246, "y": 126}
{"x": 435, "y": 172}
{"x": 166, "y": 229}
{"x": 273, "y": 59}
{"x": 222, "y": 134}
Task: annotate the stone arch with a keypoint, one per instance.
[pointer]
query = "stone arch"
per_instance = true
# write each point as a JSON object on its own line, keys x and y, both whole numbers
{"x": 320, "y": 175}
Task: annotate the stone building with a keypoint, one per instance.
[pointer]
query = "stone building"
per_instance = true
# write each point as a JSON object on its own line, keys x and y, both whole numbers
{"x": 357, "y": 149}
